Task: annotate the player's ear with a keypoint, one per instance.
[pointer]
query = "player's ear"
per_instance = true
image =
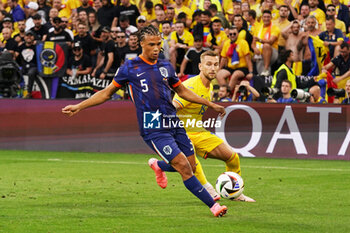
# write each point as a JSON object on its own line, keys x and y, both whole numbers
{"x": 142, "y": 43}
{"x": 200, "y": 66}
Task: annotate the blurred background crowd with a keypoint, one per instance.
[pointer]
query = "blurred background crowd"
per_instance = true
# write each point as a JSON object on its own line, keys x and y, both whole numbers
{"x": 283, "y": 51}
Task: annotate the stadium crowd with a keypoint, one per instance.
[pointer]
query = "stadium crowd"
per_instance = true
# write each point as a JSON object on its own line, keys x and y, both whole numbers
{"x": 272, "y": 51}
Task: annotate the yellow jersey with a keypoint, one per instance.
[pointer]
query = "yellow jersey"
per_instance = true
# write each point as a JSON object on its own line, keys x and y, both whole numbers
{"x": 338, "y": 24}
{"x": 319, "y": 15}
{"x": 265, "y": 33}
{"x": 184, "y": 9}
{"x": 220, "y": 39}
{"x": 242, "y": 50}
{"x": 186, "y": 37}
{"x": 191, "y": 111}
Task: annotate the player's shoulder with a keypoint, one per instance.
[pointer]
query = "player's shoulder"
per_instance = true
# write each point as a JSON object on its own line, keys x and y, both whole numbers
{"x": 193, "y": 82}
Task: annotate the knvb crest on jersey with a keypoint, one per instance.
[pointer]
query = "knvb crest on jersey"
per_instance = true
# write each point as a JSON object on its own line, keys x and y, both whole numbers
{"x": 151, "y": 120}
{"x": 164, "y": 72}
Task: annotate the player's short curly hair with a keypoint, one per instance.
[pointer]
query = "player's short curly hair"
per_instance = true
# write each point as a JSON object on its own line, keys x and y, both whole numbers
{"x": 149, "y": 30}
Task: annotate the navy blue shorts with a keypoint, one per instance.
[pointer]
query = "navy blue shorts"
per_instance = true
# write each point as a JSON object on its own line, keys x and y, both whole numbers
{"x": 169, "y": 144}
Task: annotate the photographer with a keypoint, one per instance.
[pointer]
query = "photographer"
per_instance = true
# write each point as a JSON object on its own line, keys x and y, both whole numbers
{"x": 316, "y": 97}
{"x": 286, "y": 88}
{"x": 285, "y": 71}
{"x": 224, "y": 94}
{"x": 245, "y": 93}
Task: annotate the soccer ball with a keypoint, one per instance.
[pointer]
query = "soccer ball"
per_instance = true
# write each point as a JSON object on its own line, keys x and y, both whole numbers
{"x": 230, "y": 185}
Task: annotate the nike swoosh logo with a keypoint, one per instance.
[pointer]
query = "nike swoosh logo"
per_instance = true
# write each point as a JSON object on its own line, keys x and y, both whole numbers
{"x": 138, "y": 75}
{"x": 201, "y": 190}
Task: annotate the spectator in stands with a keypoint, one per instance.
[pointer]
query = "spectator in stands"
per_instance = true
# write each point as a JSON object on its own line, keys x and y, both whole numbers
{"x": 40, "y": 31}
{"x": 3, "y": 15}
{"x": 59, "y": 34}
{"x": 332, "y": 37}
{"x": 282, "y": 22}
{"x": 292, "y": 36}
{"x": 331, "y": 12}
{"x": 170, "y": 14}
{"x": 241, "y": 26}
{"x": 26, "y": 55}
{"x": 224, "y": 94}
{"x": 347, "y": 90}
{"x": 265, "y": 43}
{"x": 65, "y": 26}
{"x": 181, "y": 41}
{"x": 244, "y": 92}
{"x": 160, "y": 16}
{"x": 31, "y": 13}
{"x": 181, "y": 8}
{"x": 125, "y": 26}
{"x": 105, "y": 14}
{"x": 311, "y": 23}
{"x": 214, "y": 13}
{"x": 94, "y": 26}
{"x": 166, "y": 31}
{"x": 315, "y": 92}
{"x": 44, "y": 10}
{"x": 149, "y": 13}
{"x": 133, "y": 49}
{"x": 286, "y": 88}
{"x": 106, "y": 65}
{"x": 85, "y": 7}
{"x": 253, "y": 23}
{"x": 235, "y": 61}
{"x": 19, "y": 37}
{"x": 16, "y": 10}
{"x": 114, "y": 31}
{"x": 7, "y": 23}
{"x": 79, "y": 62}
{"x": 285, "y": 71}
{"x": 317, "y": 12}
{"x": 216, "y": 38}
{"x": 97, "y": 5}
{"x": 203, "y": 28}
{"x": 53, "y": 14}
{"x": 340, "y": 65}
{"x": 83, "y": 17}
{"x": 304, "y": 14}
{"x": 87, "y": 43}
{"x": 126, "y": 9}
{"x": 8, "y": 43}
{"x": 122, "y": 46}
{"x": 342, "y": 12}
{"x": 192, "y": 57}
{"x": 141, "y": 22}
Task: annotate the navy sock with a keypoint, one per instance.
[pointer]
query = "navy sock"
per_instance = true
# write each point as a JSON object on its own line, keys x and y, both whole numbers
{"x": 199, "y": 191}
{"x": 165, "y": 166}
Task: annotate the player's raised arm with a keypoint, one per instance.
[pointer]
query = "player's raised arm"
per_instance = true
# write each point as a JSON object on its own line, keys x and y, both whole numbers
{"x": 98, "y": 98}
{"x": 190, "y": 96}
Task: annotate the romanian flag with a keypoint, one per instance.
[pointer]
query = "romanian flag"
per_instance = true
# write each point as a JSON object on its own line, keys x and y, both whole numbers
{"x": 319, "y": 55}
{"x": 233, "y": 54}
{"x": 52, "y": 58}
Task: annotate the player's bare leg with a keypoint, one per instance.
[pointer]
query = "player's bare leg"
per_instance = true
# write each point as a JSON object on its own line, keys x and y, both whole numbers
{"x": 225, "y": 153}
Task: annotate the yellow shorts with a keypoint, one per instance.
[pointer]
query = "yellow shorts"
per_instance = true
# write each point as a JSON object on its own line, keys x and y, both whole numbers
{"x": 204, "y": 142}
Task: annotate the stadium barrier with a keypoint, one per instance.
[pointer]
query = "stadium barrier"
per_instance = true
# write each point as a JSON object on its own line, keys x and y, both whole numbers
{"x": 253, "y": 129}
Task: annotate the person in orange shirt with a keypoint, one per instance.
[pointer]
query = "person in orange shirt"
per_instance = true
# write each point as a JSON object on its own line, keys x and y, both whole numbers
{"x": 265, "y": 44}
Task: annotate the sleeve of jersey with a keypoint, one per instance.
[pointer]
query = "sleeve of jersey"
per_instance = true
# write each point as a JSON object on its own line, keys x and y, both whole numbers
{"x": 173, "y": 80}
{"x": 121, "y": 76}
{"x": 180, "y": 101}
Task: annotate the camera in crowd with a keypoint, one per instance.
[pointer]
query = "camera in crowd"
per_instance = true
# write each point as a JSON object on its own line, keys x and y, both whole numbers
{"x": 338, "y": 93}
{"x": 301, "y": 95}
{"x": 267, "y": 91}
{"x": 242, "y": 90}
{"x": 9, "y": 76}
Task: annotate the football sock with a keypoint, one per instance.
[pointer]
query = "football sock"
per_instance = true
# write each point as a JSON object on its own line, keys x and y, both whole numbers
{"x": 199, "y": 191}
{"x": 165, "y": 166}
{"x": 233, "y": 164}
{"x": 199, "y": 173}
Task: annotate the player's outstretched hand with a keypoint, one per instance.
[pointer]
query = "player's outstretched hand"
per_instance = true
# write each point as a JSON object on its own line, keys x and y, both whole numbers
{"x": 219, "y": 109}
{"x": 70, "y": 110}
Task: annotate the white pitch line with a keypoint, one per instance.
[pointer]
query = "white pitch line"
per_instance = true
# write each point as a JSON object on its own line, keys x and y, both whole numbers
{"x": 206, "y": 165}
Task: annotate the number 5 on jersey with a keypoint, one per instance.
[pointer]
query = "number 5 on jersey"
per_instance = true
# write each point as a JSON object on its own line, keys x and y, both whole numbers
{"x": 144, "y": 85}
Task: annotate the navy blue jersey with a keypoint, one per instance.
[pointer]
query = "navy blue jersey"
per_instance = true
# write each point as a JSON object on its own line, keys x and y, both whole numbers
{"x": 150, "y": 90}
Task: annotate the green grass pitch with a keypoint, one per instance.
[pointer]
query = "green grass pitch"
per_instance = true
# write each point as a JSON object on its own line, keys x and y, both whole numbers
{"x": 105, "y": 192}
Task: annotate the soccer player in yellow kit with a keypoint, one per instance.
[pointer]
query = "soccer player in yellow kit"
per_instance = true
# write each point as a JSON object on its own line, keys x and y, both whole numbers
{"x": 206, "y": 144}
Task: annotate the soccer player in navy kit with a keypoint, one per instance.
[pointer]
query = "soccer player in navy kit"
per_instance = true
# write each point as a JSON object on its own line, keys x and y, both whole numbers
{"x": 149, "y": 81}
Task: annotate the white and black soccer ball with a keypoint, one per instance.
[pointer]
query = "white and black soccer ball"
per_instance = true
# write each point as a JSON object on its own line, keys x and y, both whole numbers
{"x": 229, "y": 185}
